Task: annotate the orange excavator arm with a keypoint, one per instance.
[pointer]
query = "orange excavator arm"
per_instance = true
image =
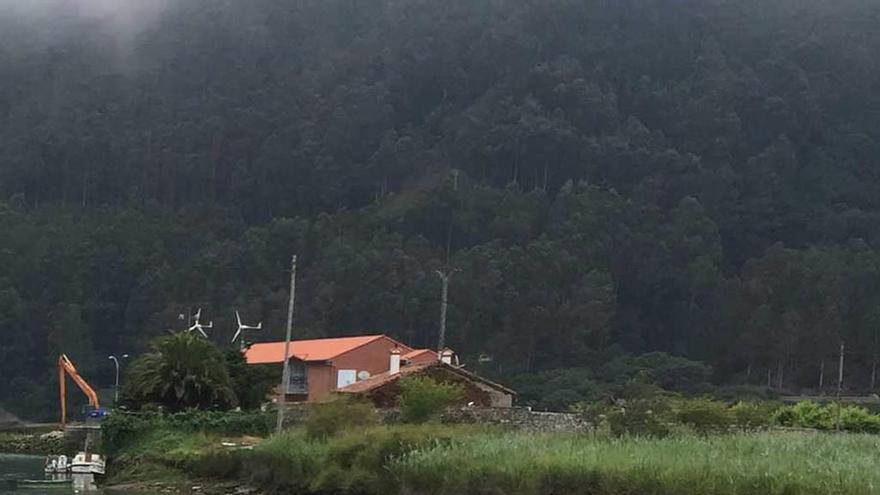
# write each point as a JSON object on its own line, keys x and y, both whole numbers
{"x": 65, "y": 366}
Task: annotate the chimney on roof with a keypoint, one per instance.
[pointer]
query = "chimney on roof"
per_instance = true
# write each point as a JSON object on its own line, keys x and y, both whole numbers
{"x": 394, "y": 364}
{"x": 446, "y": 356}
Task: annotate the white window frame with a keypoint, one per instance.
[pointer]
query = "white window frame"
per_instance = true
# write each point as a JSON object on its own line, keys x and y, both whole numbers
{"x": 345, "y": 378}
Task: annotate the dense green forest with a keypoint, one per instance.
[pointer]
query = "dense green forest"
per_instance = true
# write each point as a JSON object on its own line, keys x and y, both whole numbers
{"x": 610, "y": 180}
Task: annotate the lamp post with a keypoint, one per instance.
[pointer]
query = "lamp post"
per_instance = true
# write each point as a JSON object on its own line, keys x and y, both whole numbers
{"x": 116, "y": 387}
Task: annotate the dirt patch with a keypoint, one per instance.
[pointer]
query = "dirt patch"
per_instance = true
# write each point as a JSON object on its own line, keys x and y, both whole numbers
{"x": 192, "y": 487}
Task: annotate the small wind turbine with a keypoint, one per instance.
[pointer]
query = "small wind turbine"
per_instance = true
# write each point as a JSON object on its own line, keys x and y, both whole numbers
{"x": 242, "y": 327}
{"x": 198, "y": 325}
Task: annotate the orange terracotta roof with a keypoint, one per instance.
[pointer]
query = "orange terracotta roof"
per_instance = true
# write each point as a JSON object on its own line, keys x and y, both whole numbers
{"x": 418, "y": 352}
{"x": 387, "y": 377}
{"x": 306, "y": 350}
{"x": 383, "y": 378}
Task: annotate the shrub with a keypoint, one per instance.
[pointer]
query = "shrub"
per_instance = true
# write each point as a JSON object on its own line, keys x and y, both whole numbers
{"x": 328, "y": 418}
{"x": 812, "y": 415}
{"x": 703, "y": 415}
{"x": 594, "y": 413}
{"x": 251, "y": 384}
{"x": 354, "y": 461}
{"x": 288, "y": 462}
{"x": 784, "y": 416}
{"x": 752, "y": 415}
{"x": 858, "y": 419}
{"x": 641, "y": 417}
{"x": 806, "y": 414}
{"x": 223, "y": 423}
{"x": 217, "y": 462}
{"x": 423, "y": 398}
{"x": 556, "y": 390}
{"x": 121, "y": 429}
{"x": 357, "y": 460}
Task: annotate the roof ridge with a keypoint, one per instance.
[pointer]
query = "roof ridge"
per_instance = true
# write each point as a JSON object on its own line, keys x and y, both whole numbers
{"x": 370, "y": 336}
{"x": 317, "y": 349}
{"x": 370, "y": 341}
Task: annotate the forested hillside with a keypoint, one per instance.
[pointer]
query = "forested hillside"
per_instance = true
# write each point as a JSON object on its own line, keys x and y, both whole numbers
{"x": 609, "y": 177}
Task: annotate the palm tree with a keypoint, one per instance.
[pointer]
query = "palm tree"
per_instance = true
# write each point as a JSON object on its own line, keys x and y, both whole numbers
{"x": 181, "y": 371}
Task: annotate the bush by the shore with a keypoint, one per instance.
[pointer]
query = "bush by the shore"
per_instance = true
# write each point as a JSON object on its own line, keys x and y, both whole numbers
{"x": 122, "y": 430}
{"x": 36, "y": 443}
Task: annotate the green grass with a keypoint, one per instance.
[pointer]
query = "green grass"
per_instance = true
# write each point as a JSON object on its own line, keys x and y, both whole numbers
{"x": 759, "y": 464}
{"x": 355, "y": 461}
{"x": 164, "y": 455}
{"x": 434, "y": 459}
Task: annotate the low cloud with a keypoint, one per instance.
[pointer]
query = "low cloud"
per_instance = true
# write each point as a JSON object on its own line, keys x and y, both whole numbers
{"x": 120, "y": 15}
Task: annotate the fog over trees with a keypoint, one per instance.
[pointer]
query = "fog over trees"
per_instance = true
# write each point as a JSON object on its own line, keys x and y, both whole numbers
{"x": 612, "y": 180}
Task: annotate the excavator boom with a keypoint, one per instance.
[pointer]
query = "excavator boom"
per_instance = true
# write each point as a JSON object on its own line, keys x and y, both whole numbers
{"x": 66, "y": 367}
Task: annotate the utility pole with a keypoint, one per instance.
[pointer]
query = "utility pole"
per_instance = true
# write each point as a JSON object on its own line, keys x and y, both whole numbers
{"x": 874, "y": 361}
{"x": 873, "y": 372}
{"x": 285, "y": 376}
{"x": 839, "y": 383}
{"x": 444, "y": 278}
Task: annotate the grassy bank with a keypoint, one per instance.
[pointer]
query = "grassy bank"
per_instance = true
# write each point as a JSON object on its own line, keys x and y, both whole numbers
{"x": 436, "y": 459}
{"x": 153, "y": 447}
{"x": 760, "y": 464}
{"x": 441, "y": 461}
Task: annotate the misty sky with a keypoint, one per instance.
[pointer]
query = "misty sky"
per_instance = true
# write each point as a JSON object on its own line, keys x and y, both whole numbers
{"x": 122, "y": 14}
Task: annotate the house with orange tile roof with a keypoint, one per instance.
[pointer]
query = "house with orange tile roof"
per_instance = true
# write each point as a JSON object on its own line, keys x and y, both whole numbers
{"x": 384, "y": 389}
{"x": 321, "y": 366}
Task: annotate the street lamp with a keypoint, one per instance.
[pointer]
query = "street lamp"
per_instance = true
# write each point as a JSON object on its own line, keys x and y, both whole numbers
{"x": 116, "y": 388}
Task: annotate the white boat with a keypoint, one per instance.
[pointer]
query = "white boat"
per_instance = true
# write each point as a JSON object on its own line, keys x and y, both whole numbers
{"x": 87, "y": 463}
{"x": 56, "y": 464}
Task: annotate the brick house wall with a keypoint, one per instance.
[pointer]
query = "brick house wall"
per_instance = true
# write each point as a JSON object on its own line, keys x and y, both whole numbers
{"x": 373, "y": 357}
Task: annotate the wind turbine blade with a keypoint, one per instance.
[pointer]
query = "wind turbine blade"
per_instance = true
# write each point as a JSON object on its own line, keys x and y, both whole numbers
{"x": 237, "y": 333}
{"x": 238, "y": 318}
{"x": 203, "y": 333}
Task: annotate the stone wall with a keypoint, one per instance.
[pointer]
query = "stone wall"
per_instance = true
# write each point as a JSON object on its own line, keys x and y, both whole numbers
{"x": 515, "y": 418}
{"x": 519, "y": 418}
{"x": 295, "y": 414}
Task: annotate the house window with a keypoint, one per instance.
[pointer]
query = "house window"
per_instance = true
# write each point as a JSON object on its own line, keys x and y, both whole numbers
{"x": 345, "y": 378}
{"x": 298, "y": 382}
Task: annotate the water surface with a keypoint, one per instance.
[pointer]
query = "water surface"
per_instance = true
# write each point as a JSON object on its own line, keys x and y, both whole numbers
{"x": 28, "y": 467}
